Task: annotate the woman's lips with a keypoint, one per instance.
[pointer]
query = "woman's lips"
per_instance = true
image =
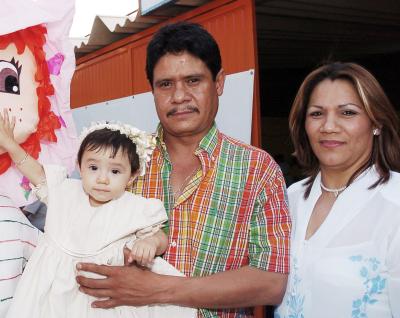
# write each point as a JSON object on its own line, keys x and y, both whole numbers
{"x": 331, "y": 143}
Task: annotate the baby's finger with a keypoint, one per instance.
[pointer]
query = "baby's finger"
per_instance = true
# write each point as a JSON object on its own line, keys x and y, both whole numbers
{"x": 142, "y": 256}
{"x": 134, "y": 254}
{"x": 152, "y": 256}
{"x": 6, "y": 119}
{"x": 147, "y": 258}
{"x": 127, "y": 254}
{"x": 138, "y": 255}
{"x": 13, "y": 121}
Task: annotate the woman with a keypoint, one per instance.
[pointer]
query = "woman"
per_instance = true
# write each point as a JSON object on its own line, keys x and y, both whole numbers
{"x": 345, "y": 258}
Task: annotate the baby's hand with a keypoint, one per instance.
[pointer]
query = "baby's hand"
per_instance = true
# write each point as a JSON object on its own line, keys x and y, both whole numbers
{"x": 143, "y": 251}
{"x": 6, "y": 129}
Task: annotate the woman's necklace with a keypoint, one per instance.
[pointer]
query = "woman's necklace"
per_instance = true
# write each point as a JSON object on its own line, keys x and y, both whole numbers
{"x": 335, "y": 192}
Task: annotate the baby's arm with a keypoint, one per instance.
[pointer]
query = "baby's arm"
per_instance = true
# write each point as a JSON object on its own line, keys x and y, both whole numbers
{"x": 27, "y": 165}
{"x": 144, "y": 250}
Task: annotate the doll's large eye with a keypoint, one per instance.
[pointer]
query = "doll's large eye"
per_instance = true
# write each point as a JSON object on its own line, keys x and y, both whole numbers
{"x": 9, "y": 78}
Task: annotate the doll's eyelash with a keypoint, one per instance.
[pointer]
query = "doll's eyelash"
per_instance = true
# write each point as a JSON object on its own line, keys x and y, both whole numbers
{"x": 14, "y": 63}
{"x": 17, "y": 65}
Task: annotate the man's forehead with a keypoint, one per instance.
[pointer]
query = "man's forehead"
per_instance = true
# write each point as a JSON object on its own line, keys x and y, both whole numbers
{"x": 182, "y": 64}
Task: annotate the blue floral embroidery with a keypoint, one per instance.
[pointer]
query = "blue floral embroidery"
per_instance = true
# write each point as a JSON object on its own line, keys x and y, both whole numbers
{"x": 373, "y": 282}
{"x": 294, "y": 301}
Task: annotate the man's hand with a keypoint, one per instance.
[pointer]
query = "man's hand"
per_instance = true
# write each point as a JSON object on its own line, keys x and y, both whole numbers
{"x": 143, "y": 251}
{"x": 136, "y": 286}
{"x": 123, "y": 285}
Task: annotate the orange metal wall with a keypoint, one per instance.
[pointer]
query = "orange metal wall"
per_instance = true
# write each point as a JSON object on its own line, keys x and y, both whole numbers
{"x": 117, "y": 70}
{"x": 103, "y": 78}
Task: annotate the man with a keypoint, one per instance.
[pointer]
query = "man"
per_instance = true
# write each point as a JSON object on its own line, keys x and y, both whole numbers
{"x": 228, "y": 226}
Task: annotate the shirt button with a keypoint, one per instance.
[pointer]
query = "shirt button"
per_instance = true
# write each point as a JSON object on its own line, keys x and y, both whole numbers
{"x": 173, "y": 244}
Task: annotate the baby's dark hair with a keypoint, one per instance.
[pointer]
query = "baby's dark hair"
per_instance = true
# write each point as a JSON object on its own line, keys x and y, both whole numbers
{"x": 109, "y": 139}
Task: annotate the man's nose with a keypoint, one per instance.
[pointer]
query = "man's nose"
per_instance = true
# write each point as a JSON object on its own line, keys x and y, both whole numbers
{"x": 180, "y": 93}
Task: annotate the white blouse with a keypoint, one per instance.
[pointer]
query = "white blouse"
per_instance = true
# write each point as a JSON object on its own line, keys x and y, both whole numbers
{"x": 350, "y": 267}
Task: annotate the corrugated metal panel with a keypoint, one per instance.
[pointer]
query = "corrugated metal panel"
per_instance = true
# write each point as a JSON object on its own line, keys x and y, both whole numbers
{"x": 104, "y": 78}
{"x": 232, "y": 30}
{"x": 291, "y": 33}
{"x": 139, "y": 80}
{"x": 108, "y": 29}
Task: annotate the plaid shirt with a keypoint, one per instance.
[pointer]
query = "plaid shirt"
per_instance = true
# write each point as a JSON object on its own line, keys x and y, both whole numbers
{"x": 232, "y": 213}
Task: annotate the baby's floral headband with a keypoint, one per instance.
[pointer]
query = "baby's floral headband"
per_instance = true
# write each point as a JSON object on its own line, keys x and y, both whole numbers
{"x": 145, "y": 143}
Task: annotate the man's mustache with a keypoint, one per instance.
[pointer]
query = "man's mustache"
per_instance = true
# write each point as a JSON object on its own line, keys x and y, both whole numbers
{"x": 191, "y": 108}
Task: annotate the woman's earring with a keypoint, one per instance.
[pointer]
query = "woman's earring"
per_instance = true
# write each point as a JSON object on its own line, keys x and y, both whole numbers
{"x": 376, "y": 131}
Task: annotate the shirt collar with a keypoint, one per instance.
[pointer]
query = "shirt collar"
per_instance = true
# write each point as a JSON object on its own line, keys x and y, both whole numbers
{"x": 209, "y": 143}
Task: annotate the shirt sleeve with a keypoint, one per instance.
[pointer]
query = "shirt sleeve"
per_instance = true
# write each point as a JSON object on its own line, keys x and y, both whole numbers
{"x": 148, "y": 231}
{"x": 393, "y": 264}
{"x": 154, "y": 217}
{"x": 55, "y": 175}
{"x": 271, "y": 225}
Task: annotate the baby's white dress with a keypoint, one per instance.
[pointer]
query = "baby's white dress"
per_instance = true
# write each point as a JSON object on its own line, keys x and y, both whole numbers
{"x": 77, "y": 232}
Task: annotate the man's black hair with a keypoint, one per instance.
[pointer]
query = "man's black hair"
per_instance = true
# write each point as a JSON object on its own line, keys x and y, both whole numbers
{"x": 183, "y": 37}
{"x": 110, "y": 139}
